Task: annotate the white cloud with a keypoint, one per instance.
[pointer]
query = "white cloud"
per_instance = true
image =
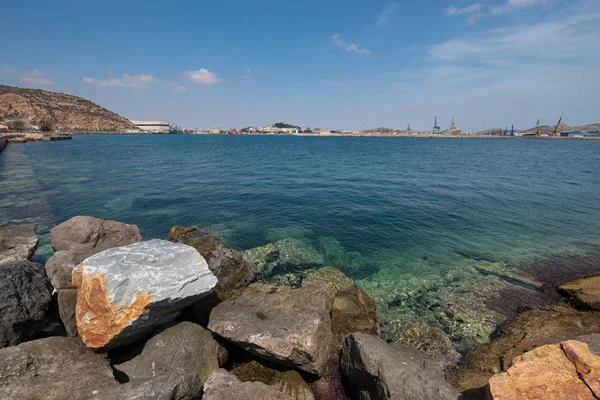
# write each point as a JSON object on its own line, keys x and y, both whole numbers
{"x": 352, "y": 47}
{"x": 142, "y": 81}
{"x": 385, "y": 15}
{"x": 516, "y": 4}
{"x": 564, "y": 39}
{"x": 203, "y": 76}
{"x": 9, "y": 70}
{"x": 472, "y": 19}
{"x": 36, "y": 77}
{"x": 453, "y": 10}
{"x": 179, "y": 88}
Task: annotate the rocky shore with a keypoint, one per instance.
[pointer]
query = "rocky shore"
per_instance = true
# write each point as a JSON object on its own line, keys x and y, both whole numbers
{"x": 114, "y": 316}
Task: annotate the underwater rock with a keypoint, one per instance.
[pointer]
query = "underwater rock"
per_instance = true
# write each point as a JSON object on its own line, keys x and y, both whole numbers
{"x": 287, "y": 326}
{"x": 533, "y": 328}
{"x": 551, "y": 372}
{"x": 377, "y": 370}
{"x": 176, "y": 349}
{"x": 333, "y": 276}
{"x": 25, "y": 298}
{"x": 53, "y": 369}
{"x": 125, "y": 292}
{"x": 222, "y": 385}
{"x": 17, "y": 243}
{"x": 283, "y": 256}
{"x": 585, "y": 292}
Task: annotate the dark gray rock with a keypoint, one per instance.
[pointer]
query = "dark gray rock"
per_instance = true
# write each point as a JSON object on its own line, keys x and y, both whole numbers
{"x": 176, "y": 349}
{"x": 54, "y": 368}
{"x": 287, "y": 326}
{"x": 376, "y": 370}
{"x": 17, "y": 243}
{"x": 126, "y": 292}
{"x": 222, "y": 385}
{"x": 25, "y": 298}
{"x": 164, "y": 387}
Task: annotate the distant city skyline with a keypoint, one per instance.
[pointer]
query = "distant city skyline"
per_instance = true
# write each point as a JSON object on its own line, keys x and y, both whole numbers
{"x": 348, "y": 65}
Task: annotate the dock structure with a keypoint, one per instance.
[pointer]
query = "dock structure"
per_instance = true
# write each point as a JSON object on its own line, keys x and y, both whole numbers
{"x": 22, "y": 137}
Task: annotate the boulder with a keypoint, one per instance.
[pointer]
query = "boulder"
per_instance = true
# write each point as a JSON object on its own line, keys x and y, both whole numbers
{"x": 377, "y": 370}
{"x": 283, "y": 256}
{"x": 287, "y": 326}
{"x": 222, "y": 385}
{"x": 232, "y": 271}
{"x": 288, "y": 382}
{"x": 177, "y": 349}
{"x": 25, "y": 299}
{"x": 551, "y": 372}
{"x": 17, "y": 243}
{"x": 126, "y": 292}
{"x": 53, "y": 369}
{"x": 331, "y": 275}
{"x": 164, "y": 387}
{"x": 531, "y": 329}
{"x": 74, "y": 241}
{"x": 584, "y": 292}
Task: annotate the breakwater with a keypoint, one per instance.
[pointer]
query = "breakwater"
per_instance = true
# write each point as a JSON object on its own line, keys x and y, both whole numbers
{"x": 2, "y": 143}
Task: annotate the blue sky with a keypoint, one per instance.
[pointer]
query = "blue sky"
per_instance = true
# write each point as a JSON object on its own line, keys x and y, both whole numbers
{"x": 345, "y": 64}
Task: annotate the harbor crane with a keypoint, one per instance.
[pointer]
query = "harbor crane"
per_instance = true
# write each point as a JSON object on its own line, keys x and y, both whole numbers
{"x": 555, "y": 132}
{"x": 436, "y": 127}
{"x": 538, "y": 131}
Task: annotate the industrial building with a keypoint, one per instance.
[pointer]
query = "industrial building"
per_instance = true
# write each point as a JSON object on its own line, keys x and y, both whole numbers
{"x": 152, "y": 126}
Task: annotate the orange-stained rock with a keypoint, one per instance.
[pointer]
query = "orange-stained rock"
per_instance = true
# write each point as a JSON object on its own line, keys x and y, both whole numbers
{"x": 125, "y": 292}
{"x": 548, "y": 373}
{"x": 586, "y": 363}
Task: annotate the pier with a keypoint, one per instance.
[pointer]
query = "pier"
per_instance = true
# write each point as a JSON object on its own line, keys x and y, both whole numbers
{"x": 34, "y": 137}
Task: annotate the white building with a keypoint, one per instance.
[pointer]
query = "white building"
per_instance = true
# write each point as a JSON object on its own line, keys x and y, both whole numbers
{"x": 152, "y": 126}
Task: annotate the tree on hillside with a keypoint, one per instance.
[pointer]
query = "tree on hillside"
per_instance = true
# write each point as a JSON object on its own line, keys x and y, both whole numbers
{"x": 46, "y": 126}
{"x": 17, "y": 126}
{"x": 283, "y": 125}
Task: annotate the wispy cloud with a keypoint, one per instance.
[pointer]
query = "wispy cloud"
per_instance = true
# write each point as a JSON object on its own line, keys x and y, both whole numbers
{"x": 453, "y": 10}
{"x": 142, "y": 81}
{"x": 385, "y": 15}
{"x": 515, "y": 5}
{"x": 36, "y": 77}
{"x": 179, "y": 88}
{"x": 352, "y": 47}
{"x": 9, "y": 70}
{"x": 248, "y": 74}
{"x": 472, "y": 19}
{"x": 203, "y": 76}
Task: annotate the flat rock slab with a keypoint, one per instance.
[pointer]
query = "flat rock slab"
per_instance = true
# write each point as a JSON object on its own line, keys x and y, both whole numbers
{"x": 52, "y": 369}
{"x": 377, "y": 370}
{"x": 551, "y": 372}
{"x": 222, "y": 385}
{"x": 585, "y": 292}
{"x": 17, "y": 243}
{"x": 25, "y": 298}
{"x": 165, "y": 387}
{"x": 287, "y": 326}
{"x": 125, "y": 292}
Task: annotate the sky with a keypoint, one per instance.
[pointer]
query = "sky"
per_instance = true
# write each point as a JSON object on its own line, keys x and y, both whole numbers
{"x": 343, "y": 64}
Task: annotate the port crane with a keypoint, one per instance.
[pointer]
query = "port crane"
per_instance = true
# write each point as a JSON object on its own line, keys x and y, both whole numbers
{"x": 555, "y": 132}
{"x": 538, "y": 131}
{"x": 436, "y": 127}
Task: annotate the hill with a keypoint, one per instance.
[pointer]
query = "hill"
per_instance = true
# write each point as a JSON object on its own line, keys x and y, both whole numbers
{"x": 61, "y": 112}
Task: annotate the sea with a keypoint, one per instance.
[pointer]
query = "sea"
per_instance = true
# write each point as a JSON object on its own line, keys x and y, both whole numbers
{"x": 444, "y": 233}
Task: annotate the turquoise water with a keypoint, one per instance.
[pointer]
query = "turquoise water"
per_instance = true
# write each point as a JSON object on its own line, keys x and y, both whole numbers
{"x": 406, "y": 218}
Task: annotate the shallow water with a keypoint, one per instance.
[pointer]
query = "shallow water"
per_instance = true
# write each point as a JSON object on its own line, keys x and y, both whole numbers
{"x": 401, "y": 216}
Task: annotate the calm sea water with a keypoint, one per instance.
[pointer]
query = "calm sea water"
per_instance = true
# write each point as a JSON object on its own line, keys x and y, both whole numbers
{"x": 411, "y": 211}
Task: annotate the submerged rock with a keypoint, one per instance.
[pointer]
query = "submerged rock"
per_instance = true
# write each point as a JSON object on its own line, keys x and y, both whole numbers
{"x": 585, "y": 292}
{"x": 551, "y": 372}
{"x": 165, "y": 387}
{"x": 17, "y": 243}
{"x": 25, "y": 298}
{"x": 283, "y": 256}
{"x": 176, "y": 349}
{"x": 125, "y": 292}
{"x": 533, "y": 328}
{"x": 53, "y": 369}
{"x": 333, "y": 276}
{"x": 222, "y": 385}
{"x": 377, "y": 370}
{"x": 287, "y": 326}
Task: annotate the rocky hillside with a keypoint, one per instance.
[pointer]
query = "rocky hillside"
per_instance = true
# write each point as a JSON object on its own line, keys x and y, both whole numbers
{"x": 61, "y": 112}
